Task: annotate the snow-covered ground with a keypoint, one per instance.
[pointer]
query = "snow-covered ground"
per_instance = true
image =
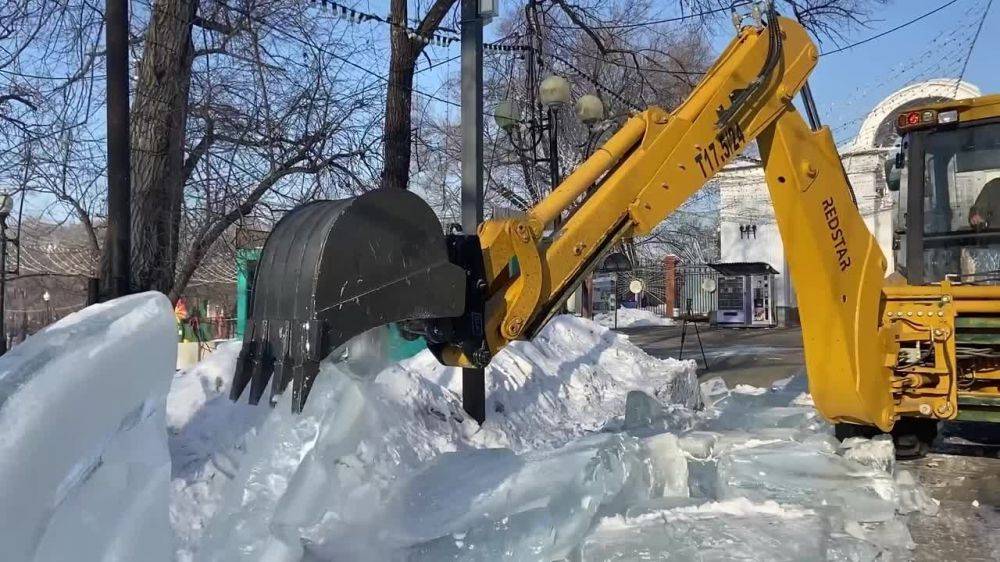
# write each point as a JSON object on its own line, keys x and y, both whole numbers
{"x": 632, "y": 318}
{"x": 592, "y": 451}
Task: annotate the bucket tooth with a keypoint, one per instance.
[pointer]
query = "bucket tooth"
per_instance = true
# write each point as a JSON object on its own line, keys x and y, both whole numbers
{"x": 303, "y": 377}
{"x": 283, "y": 362}
{"x": 331, "y": 270}
{"x": 243, "y": 362}
{"x": 262, "y": 365}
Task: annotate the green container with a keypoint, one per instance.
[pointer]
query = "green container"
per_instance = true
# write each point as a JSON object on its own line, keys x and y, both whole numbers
{"x": 246, "y": 263}
{"x": 401, "y": 348}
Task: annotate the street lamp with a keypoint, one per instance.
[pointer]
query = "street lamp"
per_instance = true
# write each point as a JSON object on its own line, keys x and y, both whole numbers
{"x": 507, "y": 114}
{"x": 6, "y": 205}
{"x": 48, "y": 310}
{"x": 554, "y": 93}
{"x": 590, "y": 109}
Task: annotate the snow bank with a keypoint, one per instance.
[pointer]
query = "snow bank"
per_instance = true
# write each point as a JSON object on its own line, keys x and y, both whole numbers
{"x": 632, "y": 318}
{"x": 84, "y": 466}
{"x": 592, "y": 450}
{"x": 569, "y": 382}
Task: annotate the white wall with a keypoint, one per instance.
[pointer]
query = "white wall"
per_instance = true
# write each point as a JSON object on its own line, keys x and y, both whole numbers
{"x": 745, "y": 200}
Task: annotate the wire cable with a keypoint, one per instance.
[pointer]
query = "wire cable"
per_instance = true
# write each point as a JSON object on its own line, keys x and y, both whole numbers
{"x": 657, "y": 22}
{"x": 894, "y": 29}
{"x": 972, "y": 46}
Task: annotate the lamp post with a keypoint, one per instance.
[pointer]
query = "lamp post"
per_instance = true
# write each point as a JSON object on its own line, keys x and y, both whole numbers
{"x": 6, "y": 204}
{"x": 48, "y": 310}
{"x": 473, "y": 379}
{"x": 507, "y": 114}
{"x": 554, "y": 94}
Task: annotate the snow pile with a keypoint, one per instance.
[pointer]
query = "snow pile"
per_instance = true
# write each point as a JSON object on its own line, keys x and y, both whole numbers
{"x": 592, "y": 450}
{"x": 83, "y": 459}
{"x": 207, "y": 436}
{"x": 308, "y": 476}
{"x": 632, "y": 318}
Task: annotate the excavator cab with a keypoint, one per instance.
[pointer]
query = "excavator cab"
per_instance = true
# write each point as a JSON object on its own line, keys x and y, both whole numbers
{"x": 948, "y": 218}
{"x": 947, "y": 176}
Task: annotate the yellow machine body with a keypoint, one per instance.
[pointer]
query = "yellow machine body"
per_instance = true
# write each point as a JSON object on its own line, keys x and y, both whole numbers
{"x": 876, "y": 348}
{"x": 852, "y": 323}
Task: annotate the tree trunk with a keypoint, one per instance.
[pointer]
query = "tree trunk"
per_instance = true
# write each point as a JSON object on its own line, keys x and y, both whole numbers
{"x": 399, "y": 93}
{"x": 159, "y": 118}
{"x": 398, "y": 103}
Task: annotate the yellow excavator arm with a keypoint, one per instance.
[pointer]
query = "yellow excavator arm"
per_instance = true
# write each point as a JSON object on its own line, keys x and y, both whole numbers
{"x": 875, "y": 349}
{"x": 658, "y": 160}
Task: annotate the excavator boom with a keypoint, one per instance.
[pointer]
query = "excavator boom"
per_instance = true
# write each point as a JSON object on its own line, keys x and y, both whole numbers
{"x": 334, "y": 269}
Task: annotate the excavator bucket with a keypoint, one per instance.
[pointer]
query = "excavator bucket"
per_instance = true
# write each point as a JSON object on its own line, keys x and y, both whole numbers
{"x": 331, "y": 270}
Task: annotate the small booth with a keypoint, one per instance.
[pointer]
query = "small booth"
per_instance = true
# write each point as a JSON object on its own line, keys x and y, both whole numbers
{"x": 745, "y": 294}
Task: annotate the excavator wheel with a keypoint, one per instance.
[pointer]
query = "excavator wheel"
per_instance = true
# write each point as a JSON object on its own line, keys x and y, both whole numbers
{"x": 331, "y": 270}
{"x": 912, "y": 437}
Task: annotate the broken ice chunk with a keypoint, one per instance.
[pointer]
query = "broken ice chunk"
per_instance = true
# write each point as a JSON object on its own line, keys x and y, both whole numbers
{"x": 888, "y": 535}
{"x": 749, "y": 389}
{"x": 84, "y": 465}
{"x": 730, "y": 530}
{"x": 912, "y": 497}
{"x": 698, "y": 444}
{"x": 640, "y": 409}
{"x": 878, "y": 452}
{"x": 808, "y": 474}
{"x": 713, "y": 391}
{"x": 667, "y": 465}
{"x": 540, "y": 504}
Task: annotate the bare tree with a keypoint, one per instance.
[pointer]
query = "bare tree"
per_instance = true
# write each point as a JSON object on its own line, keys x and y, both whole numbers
{"x": 825, "y": 18}
{"x": 159, "y": 120}
{"x": 276, "y": 118}
{"x": 243, "y": 109}
{"x": 235, "y": 103}
{"x": 406, "y": 48}
{"x": 627, "y": 70}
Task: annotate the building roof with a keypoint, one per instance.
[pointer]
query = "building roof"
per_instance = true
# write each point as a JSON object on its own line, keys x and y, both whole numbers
{"x": 743, "y": 268}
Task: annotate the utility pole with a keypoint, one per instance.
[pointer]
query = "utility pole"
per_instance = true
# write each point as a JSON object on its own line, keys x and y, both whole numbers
{"x": 473, "y": 380}
{"x": 6, "y": 204}
{"x": 115, "y": 267}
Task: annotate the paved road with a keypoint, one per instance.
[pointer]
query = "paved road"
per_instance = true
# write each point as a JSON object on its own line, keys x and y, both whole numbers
{"x": 963, "y": 468}
{"x": 751, "y": 356}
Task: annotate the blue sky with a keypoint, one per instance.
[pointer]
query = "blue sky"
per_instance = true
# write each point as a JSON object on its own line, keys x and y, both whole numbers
{"x": 848, "y": 84}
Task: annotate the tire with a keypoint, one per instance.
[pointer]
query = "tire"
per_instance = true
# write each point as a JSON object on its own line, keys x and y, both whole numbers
{"x": 847, "y": 430}
{"x": 912, "y": 437}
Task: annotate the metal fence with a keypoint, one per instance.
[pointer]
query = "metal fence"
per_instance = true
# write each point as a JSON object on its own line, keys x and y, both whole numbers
{"x": 653, "y": 294}
{"x": 657, "y": 295}
{"x": 690, "y": 286}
